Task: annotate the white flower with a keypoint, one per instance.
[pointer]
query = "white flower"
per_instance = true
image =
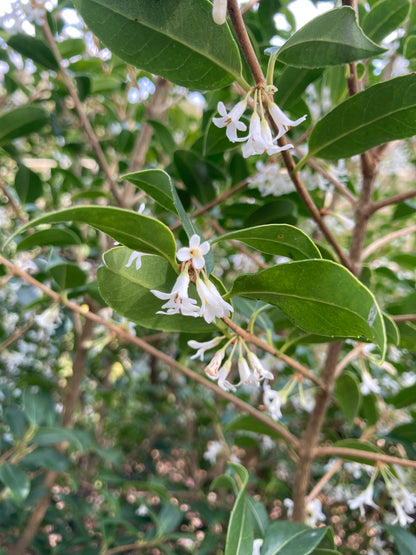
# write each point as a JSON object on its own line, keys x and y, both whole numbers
{"x": 365, "y": 498}
{"x": 195, "y": 252}
{"x": 368, "y": 383}
{"x": 222, "y": 377}
{"x": 404, "y": 502}
{"x": 282, "y": 122}
{"x": 246, "y": 376}
{"x": 255, "y": 143}
{"x": 401, "y": 516}
{"x": 203, "y": 346}
{"x": 260, "y": 371}
{"x": 212, "y": 304}
{"x": 257, "y": 546}
{"x": 219, "y": 11}
{"x": 135, "y": 255}
{"x": 211, "y": 370}
{"x": 178, "y": 299}
{"x": 49, "y": 319}
{"x": 313, "y": 511}
{"x": 273, "y": 401}
{"x": 231, "y": 120}
{"x": 214, "y": 448}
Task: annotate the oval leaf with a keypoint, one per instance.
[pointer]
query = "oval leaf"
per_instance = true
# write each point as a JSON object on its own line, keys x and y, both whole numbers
{"x": 127, "y": 290}
{"x": 136, "y": 231}
{"x": 405, "y": 541}
{"x": 20, "y": 122}
{"x": 278, "y": 239}
{"x": 291, "y": 538}
{"x": 240, "y": 529}
{"x": 319, "y": 296}
{"x": 16, "y": 480}
{"x": 330, "y": 39}
{"x": 57, "y": 237}
{"x": 348, "y": 395}
{"x": 177, "y": 40}
{"x": 35, "y": 49}
{"x": 382, "y": 113}
{"x": 384, "y": 18}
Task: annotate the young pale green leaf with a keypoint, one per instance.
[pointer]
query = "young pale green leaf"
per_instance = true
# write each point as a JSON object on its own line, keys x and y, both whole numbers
{"x": 404, "y": 540}
{"x": 20, "y": 122}
{"x": 127, "y": 290}
{"x": 330, "y": 39}
{"x": 16, "y": 480}
{"x": 240, "y": 529}
{"x": 319, "y": 296}
{"x": 291, "y": 538}
{"x": 176, "y": 40}
{"x": 133, "y": 230}
{"x": 348, "y": 395}
{"x": 384, "y": 18}
{"x": 278, "y": 239}
{"x": 57, "y": 237}
{"x": 158, "y": 185}
{"x": 382, "y": 113}
{"x": 35, "y": 49}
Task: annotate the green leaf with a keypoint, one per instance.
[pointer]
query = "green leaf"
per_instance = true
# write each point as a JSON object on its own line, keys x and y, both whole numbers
{"x": 68, "y": 276}
{"x": 155, "y": 183}
{"x": 16, "y": 480}
{"x": 47, "y": 457}
{"x": 382, "y": 113}
{"x": 276, "y": 211}
{"x": 330, "y": 39}
{"x": 15, "y": 418}
{"x": 278, "y": 239}
{"x": 34, "y": 407}
{"x": 176, "y": 40}
{"x": 127, "y": 290}
{"x": 384, "y": 18}
{"x": 410, "y": 47}
{"x": 197, "y": 174}
{"x": 404, "y": 398}
{"x": 136, "y": 231}
{"x": 392, "y": 330}
{"x": 57, "y": 237}
{"x": 251, "y": 424}
{"x": 35, "y": 49}
{"x": 240, "y": 530}
{"x": 28, "y": 184}
{"x": 348, "y": 395}
{"x": 404, "y": 432}
{"x": 20, "y": 122}
{"x": 319, "y": 296}
{"x": 405, "y": 541}
{"x": 164, "y": 136}
{"x": 291, "y": 83}
{"x": 52, "y": 435}
{"x": 169, "y": 518}
{"x": 361, "y": 446}
{"x": 320, "y": 551}
{"x": 258, "y": 515}
{"x": 291, "y": 538}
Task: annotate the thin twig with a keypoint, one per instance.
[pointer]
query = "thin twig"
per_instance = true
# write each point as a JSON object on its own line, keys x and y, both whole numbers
{"x": 404, "y": 318}
{"x": 15, "y": 335}
{"x": 92, "y": 138}
{"x": 324, "y": 480}
{"x": 400, "y": 197}
{"x": 130, "y": 338}
{"x": 387, "y": 239}
{"x": 14, "y": 206}
{"x": 346, "y": 452}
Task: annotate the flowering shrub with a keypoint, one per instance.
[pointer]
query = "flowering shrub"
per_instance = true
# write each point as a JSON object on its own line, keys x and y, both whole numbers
{"x": 207, "y": 274}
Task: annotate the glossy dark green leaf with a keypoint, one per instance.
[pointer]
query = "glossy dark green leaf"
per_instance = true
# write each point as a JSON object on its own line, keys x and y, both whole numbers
{"x": 57, "y": 237}
{"x": 68, "y": 276}
{"x": 28, "y": 184}
{"x": 382, "y": 113}
{"x": 278, "y": 239}
{"x": 277, "y": 211}
{"x": 384, "y": 18}
{"x": 136, "y": 231}
{"x": 35, "y": 49}
{"x": 53, "y": 435}
{"x": 369, "y": 409}
{"x": 46, "y": 457}
{"x": 240, "y": 529}
{"x": 16, "y": 480}
{"x": 361, "y": 446}
{"x": 319, "y": 296}
{"x": 158, "y": 185}
{"x": 291, "y": 83}
{"x": 291, "y": 538}
{"x": 164, "y": 136}
{"x": 21, "y": 122}
{"x": 404, "y": 432}
{"x": 177, "y": 40}
{"x": 16, "y": 419}
{"x": 404, "y": 540}
{"x": 127, "y": 290}
{"x": 197, "y": 174}
{"x": 258, "y": 515}
{"x": 332, "y": 38}
{"x": 348, "y": 395}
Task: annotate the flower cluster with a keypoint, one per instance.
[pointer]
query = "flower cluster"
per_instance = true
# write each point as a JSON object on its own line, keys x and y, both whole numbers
{"x": 250, "y": 368}
{"x": 178, "y": 300}
{"x": 259, "y": 139}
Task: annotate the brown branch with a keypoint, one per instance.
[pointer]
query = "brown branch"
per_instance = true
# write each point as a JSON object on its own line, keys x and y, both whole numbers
{"x": 400, "y": 197}
{"x": 251, "y": 338}
{"x": 386, "y": 240}
{"x": 130, "y": 338}
{"x": 324, "y": 480}
{"x": 404, "y": 318}
{"x": 346, "y": 452}
{"x": 92, "y": 138}
{"x": 15, "y": 335}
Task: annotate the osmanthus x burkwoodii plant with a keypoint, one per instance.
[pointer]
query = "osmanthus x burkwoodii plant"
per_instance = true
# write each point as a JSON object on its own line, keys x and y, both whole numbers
{"x": 171, "y": 283}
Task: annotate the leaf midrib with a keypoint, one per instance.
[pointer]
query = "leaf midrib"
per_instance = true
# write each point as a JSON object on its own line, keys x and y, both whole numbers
{"x": 183, "y": 43}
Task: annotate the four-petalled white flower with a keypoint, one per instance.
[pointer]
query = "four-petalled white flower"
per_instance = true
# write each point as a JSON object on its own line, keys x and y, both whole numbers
{"x": 195, "y": 252}
{"x": 231, "y": 120}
